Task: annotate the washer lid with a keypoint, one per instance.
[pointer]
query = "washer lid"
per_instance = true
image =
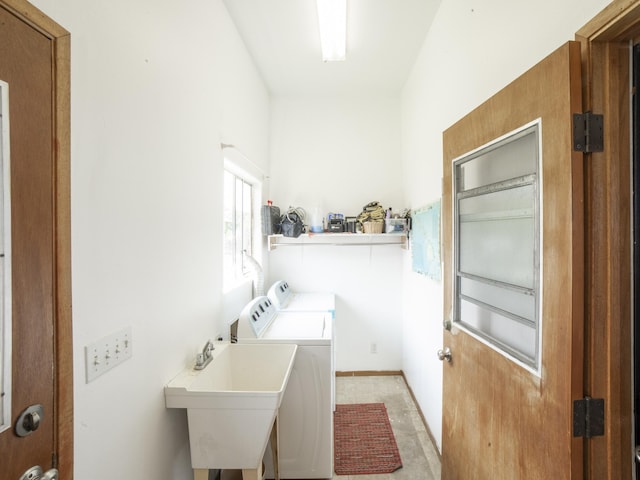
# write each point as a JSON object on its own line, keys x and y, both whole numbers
{"x": 312, "y": 301}
{"x": 300, "y": 325}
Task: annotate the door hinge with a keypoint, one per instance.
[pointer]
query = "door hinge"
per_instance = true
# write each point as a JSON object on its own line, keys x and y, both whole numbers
{"x": 588, "y": 132}
{"x": 54, "y": 460}
{"x": 588, "y": 417}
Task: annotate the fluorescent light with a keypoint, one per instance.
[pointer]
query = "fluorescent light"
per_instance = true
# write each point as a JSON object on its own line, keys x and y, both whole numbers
{"x": 332, "y": 18}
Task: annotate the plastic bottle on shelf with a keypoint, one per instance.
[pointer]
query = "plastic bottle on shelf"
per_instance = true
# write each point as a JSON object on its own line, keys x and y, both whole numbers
{"x": 317, "y": 220}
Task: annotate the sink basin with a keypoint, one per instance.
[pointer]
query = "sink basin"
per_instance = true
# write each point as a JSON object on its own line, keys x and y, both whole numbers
{"x": 232, "y": 403}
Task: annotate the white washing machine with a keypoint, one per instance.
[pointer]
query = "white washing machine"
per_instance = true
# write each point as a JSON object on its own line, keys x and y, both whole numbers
{"x": 306, "y": 412}
{"x": 285, "y": 299}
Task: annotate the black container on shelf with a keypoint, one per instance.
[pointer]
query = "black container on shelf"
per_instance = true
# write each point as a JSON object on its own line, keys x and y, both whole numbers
{"x": 270, "y": 220}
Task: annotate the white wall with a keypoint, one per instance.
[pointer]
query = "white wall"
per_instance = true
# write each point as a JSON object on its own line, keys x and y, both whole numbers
{"x": 472, "y": 51}
{"x": 156, "y": 86}
{"x": 340, "y": 154}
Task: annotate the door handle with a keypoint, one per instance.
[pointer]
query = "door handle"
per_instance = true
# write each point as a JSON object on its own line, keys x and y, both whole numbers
{"x": 444, "y": 354}
{"x": 36, "y": 473}
{"x": 638, "y": 454}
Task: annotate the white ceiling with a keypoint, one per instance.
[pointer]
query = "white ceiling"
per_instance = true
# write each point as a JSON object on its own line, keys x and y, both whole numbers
{"x": 383, "y": 40}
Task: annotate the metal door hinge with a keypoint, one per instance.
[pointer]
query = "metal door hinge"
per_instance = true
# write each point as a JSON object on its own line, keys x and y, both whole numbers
{"x": 588, "y": 417}
{"x": 588, "y": 133}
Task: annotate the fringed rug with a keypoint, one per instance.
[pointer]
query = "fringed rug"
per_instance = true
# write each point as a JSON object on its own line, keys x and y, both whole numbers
{"x": 364, "y": 443}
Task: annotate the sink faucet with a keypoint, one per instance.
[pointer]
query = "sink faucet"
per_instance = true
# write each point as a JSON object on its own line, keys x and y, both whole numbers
{"x": 203, "y": 359}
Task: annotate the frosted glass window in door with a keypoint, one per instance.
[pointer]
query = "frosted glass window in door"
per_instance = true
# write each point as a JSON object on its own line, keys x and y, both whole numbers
{"x": 497, "y": 233}
{"x": 5, "y": 263}
{"x": 497, "y": 244}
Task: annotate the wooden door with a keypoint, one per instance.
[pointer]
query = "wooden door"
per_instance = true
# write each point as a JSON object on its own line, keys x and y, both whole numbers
{"x": 501, "y": 420}
{"x": 41, "y": 340}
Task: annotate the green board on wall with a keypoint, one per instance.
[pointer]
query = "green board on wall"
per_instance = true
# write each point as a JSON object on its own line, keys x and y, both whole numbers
{"x": 425, "y": 241}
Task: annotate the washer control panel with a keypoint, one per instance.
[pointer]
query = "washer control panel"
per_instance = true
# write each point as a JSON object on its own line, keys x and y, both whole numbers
{"x": 259, "y": 313}
{"x": 279, "y": 293}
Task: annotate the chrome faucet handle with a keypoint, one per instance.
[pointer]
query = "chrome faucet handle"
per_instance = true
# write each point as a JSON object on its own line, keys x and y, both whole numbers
{"x": 203, "y": 359}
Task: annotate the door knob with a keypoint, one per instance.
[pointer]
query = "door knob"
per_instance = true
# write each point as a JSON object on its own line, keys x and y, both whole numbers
{"x": 36, "y": 473}
{"x": 51, "y": 474}
{"x": 444, "y": 354}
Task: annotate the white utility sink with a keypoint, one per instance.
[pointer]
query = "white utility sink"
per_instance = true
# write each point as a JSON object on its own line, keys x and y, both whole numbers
{"x": 232, "y": 403}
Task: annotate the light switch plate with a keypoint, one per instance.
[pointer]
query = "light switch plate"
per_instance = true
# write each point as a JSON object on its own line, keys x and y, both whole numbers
{"x": 104, "y": 354}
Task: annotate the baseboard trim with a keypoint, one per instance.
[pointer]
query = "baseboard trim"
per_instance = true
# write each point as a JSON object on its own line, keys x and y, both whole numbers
{"x": 369, "y": 373}
{"x": 424, "y": 420}
{"x": 373, "y": 373}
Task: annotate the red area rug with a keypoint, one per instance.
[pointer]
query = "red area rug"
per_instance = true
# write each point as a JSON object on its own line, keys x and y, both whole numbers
{"x": 364, "y": 443}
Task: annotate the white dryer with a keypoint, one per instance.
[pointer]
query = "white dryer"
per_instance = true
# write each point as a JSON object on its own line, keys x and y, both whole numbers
{"x": 285, "y": 299}
{"x": 306, "y": 412}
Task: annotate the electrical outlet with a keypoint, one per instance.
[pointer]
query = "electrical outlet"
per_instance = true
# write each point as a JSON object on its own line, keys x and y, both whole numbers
{"x": 374, "y": 347}
{"x": 104, "y": 354}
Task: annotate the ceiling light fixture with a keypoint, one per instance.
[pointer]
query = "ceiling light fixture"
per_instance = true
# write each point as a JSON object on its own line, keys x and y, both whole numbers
{"x": 332, "y": 18}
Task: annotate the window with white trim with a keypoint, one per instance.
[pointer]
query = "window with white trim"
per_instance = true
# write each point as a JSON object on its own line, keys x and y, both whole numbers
{"x": 242, "y": 193}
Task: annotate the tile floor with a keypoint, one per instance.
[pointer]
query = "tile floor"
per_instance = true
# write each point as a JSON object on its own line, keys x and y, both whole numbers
{"x": 419, "y": 456}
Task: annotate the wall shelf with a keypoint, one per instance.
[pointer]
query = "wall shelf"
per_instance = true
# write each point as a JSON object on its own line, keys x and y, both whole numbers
{"x": 338, "y": 239}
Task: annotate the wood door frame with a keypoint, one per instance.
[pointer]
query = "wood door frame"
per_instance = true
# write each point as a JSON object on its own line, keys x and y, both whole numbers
{"x": 63, "y": 341}
{"x": 606, "y": 43}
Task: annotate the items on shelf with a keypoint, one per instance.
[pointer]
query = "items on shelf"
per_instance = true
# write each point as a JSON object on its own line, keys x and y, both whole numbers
{"x": 292, "y": 222}
{"x": 373, "y": 219}
{"x": 372, "y": 212}
{"x": 270, "y": 219}
{"x": 336, "y": 222}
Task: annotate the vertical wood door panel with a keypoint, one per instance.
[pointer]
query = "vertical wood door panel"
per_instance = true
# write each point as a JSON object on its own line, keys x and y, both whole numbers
{"x": 501, "y": 421}
{"x": 26, "y": 65}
